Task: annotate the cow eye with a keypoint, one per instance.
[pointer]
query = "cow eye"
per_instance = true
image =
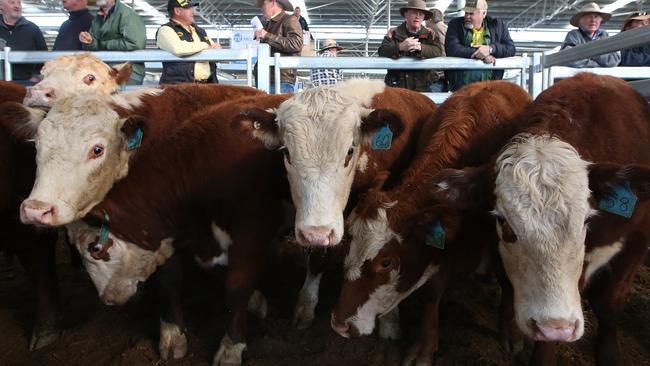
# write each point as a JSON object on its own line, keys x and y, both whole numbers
{"x": 348, "y": 157}
{"x": 88, "y": 79}
{"x": 96, "y": 151}
{"x": 384, "y": 265}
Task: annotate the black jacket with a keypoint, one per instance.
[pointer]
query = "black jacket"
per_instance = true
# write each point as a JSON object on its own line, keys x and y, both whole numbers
{"x": 25, "y": 36}
{"x": 455, "y": 44}
{"x": 68, "y": 37}
{"x": 637, "y": 56}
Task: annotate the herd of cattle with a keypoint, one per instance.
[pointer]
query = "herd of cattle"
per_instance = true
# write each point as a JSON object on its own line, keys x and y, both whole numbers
{"x": 550, "y": 196}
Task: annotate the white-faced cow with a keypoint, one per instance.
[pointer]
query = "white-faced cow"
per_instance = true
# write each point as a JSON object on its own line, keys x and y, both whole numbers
{"x": 570, "y": 200}
{"x": 77, "y": 74}
{"x": 402, "y": 238}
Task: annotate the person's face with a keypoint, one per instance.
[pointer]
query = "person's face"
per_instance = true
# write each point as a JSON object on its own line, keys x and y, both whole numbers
{"x": 636, "y": 24}
{"x": 12, "y": 9}
{"x": 72, "y": 5}
{"x": 474, "y": 20}
{"x": 297, "y": 12}
{"x": 591, "y": 22}
{"x": 184, "y": 15}
{"x": 414, "y": 19}
{"x": 269, "y": 8}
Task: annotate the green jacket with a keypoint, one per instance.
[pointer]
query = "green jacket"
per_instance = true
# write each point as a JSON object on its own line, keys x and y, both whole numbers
{"x": 410, "y": 79}
{"x": 123, "y": 30}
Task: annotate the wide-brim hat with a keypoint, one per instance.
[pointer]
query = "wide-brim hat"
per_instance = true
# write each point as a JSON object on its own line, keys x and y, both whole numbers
{"x": 417, "y": 5}
{"x": 181, "y": 4}
{"x": 330, "y": 43}
{"x": 642, "y": 15}
{"x": 586, "y": 9}
{"x": 285, "y": 4}
{"x": 471, "y": 5}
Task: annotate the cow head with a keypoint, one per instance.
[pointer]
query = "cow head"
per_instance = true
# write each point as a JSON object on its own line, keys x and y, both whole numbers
{"x": 82, "y": 150}
{"x": 323, "y": 133}
{"x": 540, "y": 190}
{"x": 76, "y": 74}
{"x": 117, "y": 266}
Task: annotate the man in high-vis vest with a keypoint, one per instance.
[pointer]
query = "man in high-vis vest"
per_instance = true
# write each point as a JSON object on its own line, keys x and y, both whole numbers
{"x": 182, "y": 37}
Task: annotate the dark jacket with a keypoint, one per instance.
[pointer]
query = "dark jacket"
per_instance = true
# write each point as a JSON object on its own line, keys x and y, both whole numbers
{"x": 455, "y": 46}
{"x": 284, "y": 36}
{"x": 418, "y": 80}
{"x": 637, "y": 56}
{"x": 25, "y": 36}
{"x": 183, "y": 71}
{"x": 577, "y": 37}
{"x": 68, "y": 37}
{"x": 303, "y": 23}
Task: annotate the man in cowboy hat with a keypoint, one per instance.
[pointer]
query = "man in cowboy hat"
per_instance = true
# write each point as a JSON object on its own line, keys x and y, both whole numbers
{"x": 640, "y": 55}
{"x": 411, "y": 39}
{"x": 588, "y": 20}
{"x": 182, "y": 37}
{"x": 480, "y": 37}
{"x": 284, "y": 34}
{"x": 327, "y": 76}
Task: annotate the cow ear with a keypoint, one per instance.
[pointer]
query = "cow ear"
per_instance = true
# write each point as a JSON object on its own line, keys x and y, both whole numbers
{"x": 260, "y": 124}
{"x": 465, "y": 189}
{"x": 604, "y": 178}
{"x": 20, "y": 121}
{"x": 378, "y": 119}
{"x": 134, "y": 130}
{"x": 121, "y": 73}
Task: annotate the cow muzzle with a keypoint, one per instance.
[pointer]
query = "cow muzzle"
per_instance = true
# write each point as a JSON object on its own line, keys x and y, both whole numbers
{"x": 317, "y": 236}
{"x": 344, "y": 329}
{"x": 35, "y": 212}
{"x": 552, "y": 330}
{"x": 39, "y": 97}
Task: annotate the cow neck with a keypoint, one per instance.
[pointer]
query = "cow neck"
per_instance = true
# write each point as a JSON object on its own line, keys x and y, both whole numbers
{"x": 189, "y": 175}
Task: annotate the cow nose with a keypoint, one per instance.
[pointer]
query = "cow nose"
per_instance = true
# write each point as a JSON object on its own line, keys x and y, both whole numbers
{"x": 554, "y": 330}
{"x": 37, "y": 213}
{"x": 316, "y": 236}
{"x": 340, "y": 328}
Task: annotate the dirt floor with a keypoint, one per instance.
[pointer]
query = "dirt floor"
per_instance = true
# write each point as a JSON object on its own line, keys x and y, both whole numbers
{"x": 97, "y": 335}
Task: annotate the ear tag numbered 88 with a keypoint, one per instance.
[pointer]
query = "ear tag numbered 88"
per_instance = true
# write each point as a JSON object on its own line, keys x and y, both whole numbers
{"x": 436, "y": 236}
{"x": 382, "y": 139}
{"x": 621, "y": 202}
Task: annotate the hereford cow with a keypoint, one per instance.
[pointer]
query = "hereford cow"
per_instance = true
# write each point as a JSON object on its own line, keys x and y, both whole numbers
{"x": 76, "y": 74}
{"x": 156, "y": 201}
{"x": 35, "y": 249}
{"x": 570, "y": 200}
{"x": 402, "y": 239}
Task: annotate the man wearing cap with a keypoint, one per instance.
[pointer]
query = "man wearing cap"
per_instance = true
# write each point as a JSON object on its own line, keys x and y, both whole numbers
{"x": 182, "y": 37}
{"x": 116, "y": 28}
{"x": 327, "y": 76}
{"x": 411, "y": 39}
{"x": 639, "y": 55}
{"x": 588, "y": 20}
{"x": 480, "y": 37}
{"x": 284, "y": 34}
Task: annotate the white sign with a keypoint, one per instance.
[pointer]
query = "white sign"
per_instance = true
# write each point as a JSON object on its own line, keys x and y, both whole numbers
{"x": 241, "y": 39}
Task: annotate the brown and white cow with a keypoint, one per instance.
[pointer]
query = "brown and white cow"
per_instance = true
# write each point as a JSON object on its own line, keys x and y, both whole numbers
{"x": 402, "y": 238}
{"x": 201, "y": 186}
{"x": 76, "y": 74}
{"x": 551, "y": 188}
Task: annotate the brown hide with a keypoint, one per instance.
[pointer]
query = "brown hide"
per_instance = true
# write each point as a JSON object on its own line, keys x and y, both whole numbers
{"x": 11, "y": 92}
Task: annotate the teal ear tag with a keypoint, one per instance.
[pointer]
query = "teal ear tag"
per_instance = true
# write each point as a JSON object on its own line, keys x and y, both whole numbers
{"x": 382, "y": 139}
{"x": 621, "y": 202}
{"x": 103, "y": 231}
{"x": 135, "y": 140}
{"x": 436, "y": 236}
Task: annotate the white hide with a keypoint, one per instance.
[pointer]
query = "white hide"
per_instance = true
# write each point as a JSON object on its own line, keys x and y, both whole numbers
{"x": 598, "y": 257}
{"x": 225, "y": 241}
{"x": 172, "y": 341}
{"x": 229, "y": 353}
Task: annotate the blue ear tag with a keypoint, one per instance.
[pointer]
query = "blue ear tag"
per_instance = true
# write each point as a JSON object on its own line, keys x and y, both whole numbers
{"x": 103, "y": 231}
{"x": 436, "y": 236}
{"x": 621, "y": 202}
{"x": 382, "y": 139}
{"x": 135, "y": 140}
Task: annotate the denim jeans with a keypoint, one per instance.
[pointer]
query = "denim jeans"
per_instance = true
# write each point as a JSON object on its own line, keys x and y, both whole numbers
{"x": 284, "y": 87}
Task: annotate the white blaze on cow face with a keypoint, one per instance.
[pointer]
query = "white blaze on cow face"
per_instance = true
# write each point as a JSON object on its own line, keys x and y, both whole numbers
{"x": 542, "y": 194}
{"x": 66, "y": 76}
{"x": 81, "y": 152}
{"x": 116, "y": 279}
{"x": 225, "y": 241}
{"x": 321, "y": 133}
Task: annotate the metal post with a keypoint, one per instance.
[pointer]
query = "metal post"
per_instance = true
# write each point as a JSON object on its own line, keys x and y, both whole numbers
{"x": 249, "y": 65}
{"x": 524, "y": 66}
{"x": 542, "y": 64}
{"x": 388, "y": 16}
{"x": 7, "y": 65}
{"x": 263, "y": 64}
{"x": 551, "y": 78}
{"x": 460, "y": 5}
{"x": 531, "y": 74}
{"x": 276, "y": 75}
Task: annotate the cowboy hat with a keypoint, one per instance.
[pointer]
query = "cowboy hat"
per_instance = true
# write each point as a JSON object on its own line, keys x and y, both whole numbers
{"x": 639, "y": 15}
{"x": 586, "y": 9}
{"x": 330, "y": 43}
{"x": 417, "y": 5}
{"x": 285, "y": 4}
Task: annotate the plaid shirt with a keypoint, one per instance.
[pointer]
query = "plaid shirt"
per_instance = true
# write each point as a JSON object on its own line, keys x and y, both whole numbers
{"x": 325, "y": 76}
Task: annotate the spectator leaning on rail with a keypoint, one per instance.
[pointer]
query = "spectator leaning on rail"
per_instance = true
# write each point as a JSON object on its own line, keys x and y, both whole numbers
{"x": 116, "y": 28}
{"x": 438, "y": 26}
{"x": 477, "y": 36}
{"x": 182, "y": 37}
{"x": 640, "y": 55}
{"x": 284, "y": 34}
{"x": 22, "y": 35}
{"x": 79, "y": 19}
{"x": 327, "y": 76}
{"x": 588, "y": 20}
{"x": 411, "y": 39}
